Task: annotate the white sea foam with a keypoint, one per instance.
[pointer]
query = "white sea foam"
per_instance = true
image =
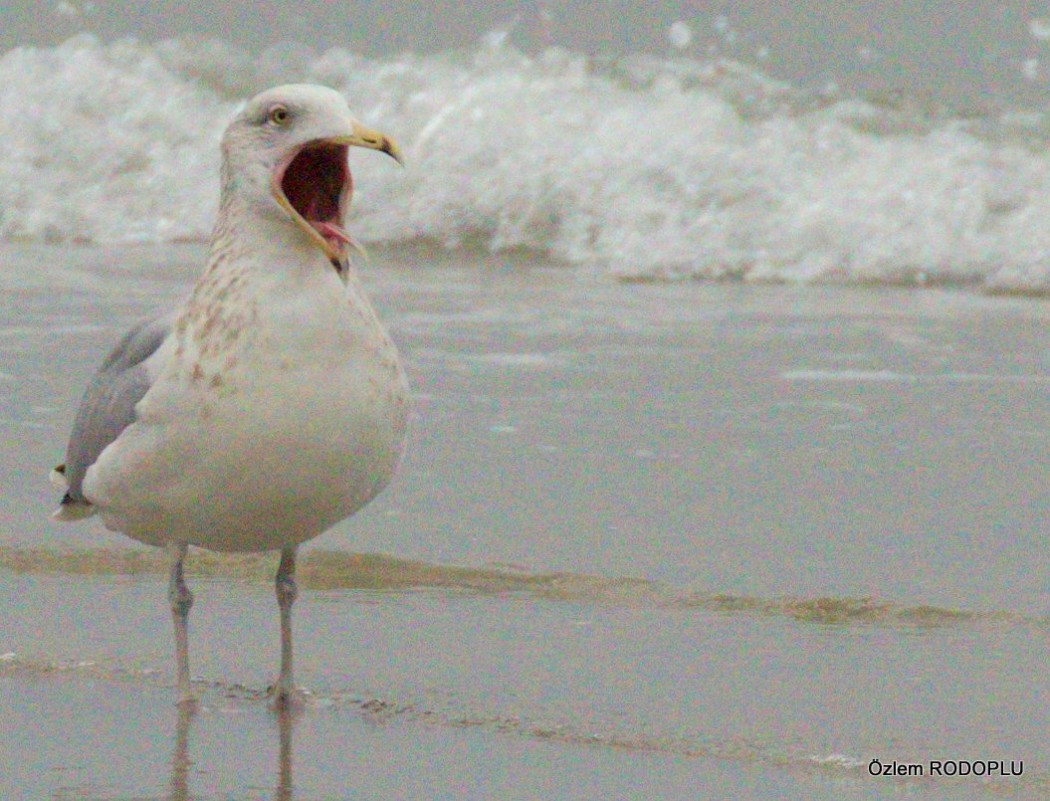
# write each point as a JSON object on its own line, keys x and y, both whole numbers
{"x": 838, "y": 761}
{"x": 649, "y": 168}
{"x": 890, "y": 376}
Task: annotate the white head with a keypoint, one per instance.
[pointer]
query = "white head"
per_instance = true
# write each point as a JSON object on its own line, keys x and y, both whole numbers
{"x": 285, "y": 156}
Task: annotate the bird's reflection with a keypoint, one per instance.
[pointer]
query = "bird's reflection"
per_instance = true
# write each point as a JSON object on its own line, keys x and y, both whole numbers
{"x": 180, "y": 761}
{"x": 285, "y": 719}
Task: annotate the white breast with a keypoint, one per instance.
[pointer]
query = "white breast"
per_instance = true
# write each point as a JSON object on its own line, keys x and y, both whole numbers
{"x": 277, "y": 409}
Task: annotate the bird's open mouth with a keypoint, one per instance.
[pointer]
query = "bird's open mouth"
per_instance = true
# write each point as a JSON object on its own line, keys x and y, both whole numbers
{"x": 315, "y": 186}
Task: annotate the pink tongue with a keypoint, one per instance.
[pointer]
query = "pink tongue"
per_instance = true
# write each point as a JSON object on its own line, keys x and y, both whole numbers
{"x": 332, "y": 232}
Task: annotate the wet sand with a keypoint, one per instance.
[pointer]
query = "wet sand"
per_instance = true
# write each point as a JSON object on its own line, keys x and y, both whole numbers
{"x": 674, "y": 541}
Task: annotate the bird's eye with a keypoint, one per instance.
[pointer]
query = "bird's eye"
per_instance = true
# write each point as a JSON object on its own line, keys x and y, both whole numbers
{"x": 279, "y": 115}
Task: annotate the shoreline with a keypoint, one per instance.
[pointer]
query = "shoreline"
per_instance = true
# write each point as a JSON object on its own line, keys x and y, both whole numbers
{"x": 682, "y": 539}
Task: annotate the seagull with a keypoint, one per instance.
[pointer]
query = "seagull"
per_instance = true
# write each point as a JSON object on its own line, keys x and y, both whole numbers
{"x": 272, "y": 404}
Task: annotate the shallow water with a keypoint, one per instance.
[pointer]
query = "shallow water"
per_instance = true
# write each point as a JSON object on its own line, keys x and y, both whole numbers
{"x": 649, "y": 540}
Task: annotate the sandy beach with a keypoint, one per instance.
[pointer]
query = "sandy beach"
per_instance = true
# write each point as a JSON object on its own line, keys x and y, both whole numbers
{"x": 671, "y": 541}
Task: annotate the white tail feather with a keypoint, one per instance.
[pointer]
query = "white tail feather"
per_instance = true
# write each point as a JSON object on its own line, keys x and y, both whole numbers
{"x": 58, "y": 477}
{"x": 69, "y": 512}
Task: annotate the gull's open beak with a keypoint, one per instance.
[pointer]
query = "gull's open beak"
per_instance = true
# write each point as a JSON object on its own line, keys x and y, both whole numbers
{"x": 314, "y": 186}
{"x": 366, "y": 137}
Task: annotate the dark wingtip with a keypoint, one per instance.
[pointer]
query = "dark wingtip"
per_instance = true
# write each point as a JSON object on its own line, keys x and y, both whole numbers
{"x": 71, "y": 508}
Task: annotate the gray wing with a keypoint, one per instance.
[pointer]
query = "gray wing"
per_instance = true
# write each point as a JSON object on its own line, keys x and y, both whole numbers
{"x": 108, "y": 406}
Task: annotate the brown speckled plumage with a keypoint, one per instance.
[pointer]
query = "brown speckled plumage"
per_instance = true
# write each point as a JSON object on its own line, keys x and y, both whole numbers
{"x": 272, "y": 404}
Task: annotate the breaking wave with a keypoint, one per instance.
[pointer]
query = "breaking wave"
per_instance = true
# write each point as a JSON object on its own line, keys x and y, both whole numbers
{"x": 651, "y": 168}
